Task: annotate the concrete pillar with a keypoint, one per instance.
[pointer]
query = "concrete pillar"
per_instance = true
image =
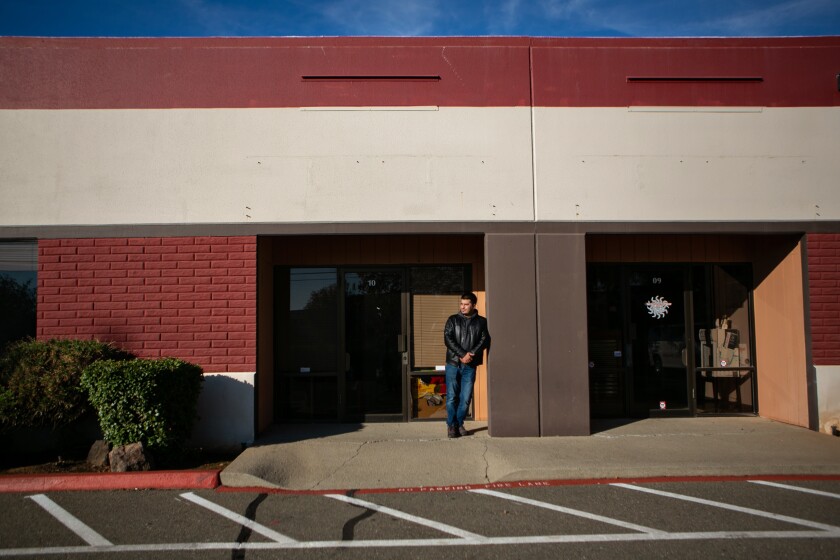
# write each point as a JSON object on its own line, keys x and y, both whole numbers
{"x": 563, "y": 344}
{"x": 513, "y": 368}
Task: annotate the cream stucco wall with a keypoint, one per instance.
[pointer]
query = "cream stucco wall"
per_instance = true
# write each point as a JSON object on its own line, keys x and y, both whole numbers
{"x": 694, "y": 163}
{"x": 74, "y": 167}
{"x": 80, "y": 167}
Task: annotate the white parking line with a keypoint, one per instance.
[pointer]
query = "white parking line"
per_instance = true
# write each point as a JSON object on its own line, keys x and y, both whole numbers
{"x": 797, "y": 488}
{"x": 561, "y": 509}
{"x": 408, "y": 517}
{"x": 97, "y": 544}
{"x": 756, "y": 512}
{"x": 420, "y": 543}
{"x": 68, "y": 520}
{"x": 241, "y": 519}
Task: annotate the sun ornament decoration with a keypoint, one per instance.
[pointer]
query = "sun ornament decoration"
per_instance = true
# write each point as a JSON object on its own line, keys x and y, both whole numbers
{"x": 658, "y": 307}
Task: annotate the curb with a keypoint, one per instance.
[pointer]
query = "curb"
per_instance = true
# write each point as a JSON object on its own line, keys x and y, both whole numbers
{"x": 156, "y": 480}
{"x": 210, "y": 480}
{"x": 533, "y": 484}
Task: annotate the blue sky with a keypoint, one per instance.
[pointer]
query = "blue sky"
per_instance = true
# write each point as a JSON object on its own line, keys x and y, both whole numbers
{"x": 560, "y": 18}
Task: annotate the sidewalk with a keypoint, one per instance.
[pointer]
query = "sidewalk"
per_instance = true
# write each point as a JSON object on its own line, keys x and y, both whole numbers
{"x": 418, "y": 454}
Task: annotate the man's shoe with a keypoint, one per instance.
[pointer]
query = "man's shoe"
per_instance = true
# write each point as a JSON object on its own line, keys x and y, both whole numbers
{"x": 462, "y": 431}
{"x": 452, "y": 432}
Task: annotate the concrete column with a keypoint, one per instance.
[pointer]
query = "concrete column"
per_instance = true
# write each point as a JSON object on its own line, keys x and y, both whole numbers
{"x": 513, "y": 368}
{"x": 563, "y": 344}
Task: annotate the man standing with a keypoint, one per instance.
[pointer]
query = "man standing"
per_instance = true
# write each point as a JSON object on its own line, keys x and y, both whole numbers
{"x": 466, "y": 337}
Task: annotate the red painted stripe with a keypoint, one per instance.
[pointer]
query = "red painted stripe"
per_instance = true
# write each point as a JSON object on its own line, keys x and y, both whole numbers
{"x": 153, "y": 480}
{"x": 112, "y": 74}
{"x": 711, "y": 75}
{"x": 460, "y": 72}
{"x": 536, "y": 484}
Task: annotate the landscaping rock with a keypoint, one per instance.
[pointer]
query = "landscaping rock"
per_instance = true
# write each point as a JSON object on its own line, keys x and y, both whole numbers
{"x": 131, "y": 457}
{"x": 98, "y": 454}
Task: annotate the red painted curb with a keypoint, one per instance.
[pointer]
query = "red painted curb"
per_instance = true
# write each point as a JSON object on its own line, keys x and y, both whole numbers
{"x": 154, "y": 480}
{"x": 538, "y": 483}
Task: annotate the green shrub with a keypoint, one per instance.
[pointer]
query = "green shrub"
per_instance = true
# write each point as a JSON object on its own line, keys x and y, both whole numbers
{"x": 150, "y": 401}
{"x": 40, "y": 381}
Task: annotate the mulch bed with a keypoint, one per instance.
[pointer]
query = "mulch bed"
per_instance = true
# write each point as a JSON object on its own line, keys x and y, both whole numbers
{"x": 192, "y": 459}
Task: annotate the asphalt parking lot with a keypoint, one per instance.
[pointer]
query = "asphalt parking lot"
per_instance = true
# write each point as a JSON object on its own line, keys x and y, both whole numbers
{"x": 760, "y": 518}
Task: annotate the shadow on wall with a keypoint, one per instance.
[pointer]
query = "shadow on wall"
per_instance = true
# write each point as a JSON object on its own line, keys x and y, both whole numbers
{"x": 225, "y": 412}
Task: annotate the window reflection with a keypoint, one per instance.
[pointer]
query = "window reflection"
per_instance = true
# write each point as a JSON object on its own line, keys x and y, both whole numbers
{"x": 725, "y": 374}
{"x": 18, "y": 286}
{"x": 308, "y": 333}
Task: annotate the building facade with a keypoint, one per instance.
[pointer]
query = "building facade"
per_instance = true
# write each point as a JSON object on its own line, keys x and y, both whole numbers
{"x": 652, "y": 226}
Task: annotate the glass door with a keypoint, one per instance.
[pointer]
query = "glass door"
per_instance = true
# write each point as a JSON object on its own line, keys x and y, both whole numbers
{"x": 374, "y": 344}
{"x": 638, "y": 348}
{"x": 657, "y": 346}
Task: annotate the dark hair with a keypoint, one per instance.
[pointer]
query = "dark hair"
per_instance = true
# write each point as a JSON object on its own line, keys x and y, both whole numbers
{"x": 470, "y": 296}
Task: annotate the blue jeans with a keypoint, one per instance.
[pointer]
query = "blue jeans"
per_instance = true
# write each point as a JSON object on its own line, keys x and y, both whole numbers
{"x": 459, "y": 390}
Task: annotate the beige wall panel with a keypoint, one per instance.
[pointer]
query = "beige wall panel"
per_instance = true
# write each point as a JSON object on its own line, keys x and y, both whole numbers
{"x": 265, "y": 165}
{"x": 644, "y": 164}
{"x": 828, "y": 386}
{"x": 780, "y": 343}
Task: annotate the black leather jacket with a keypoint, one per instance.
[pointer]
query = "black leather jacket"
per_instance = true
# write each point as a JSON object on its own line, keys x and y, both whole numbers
{"x": 466, "y": 335}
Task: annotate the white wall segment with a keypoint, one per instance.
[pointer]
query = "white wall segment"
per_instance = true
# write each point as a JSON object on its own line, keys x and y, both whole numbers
{"x": 83, "y": 167}
{"x": 693, "y": 163}
{"x": 87, "y": 167}
{"x": 225, "y": 411}
{"x": 828, "y": 398}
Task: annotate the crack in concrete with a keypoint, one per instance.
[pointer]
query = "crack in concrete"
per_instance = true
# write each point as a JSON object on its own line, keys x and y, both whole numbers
{"x": 486, "y": 463}
{"x": 341, "y": 466}
{"x": 668, "y": 434}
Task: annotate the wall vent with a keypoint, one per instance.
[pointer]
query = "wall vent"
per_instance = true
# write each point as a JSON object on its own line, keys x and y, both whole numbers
{"x": 405, "y": 78}
{"x": 695, "y": 79}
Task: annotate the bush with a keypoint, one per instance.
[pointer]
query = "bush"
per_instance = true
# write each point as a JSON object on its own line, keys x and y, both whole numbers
{"x": 40, "y": 381}
{"x": 150, "y": 401}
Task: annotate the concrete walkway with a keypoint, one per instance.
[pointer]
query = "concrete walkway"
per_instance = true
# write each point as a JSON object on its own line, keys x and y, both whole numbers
{"x": 418, "y": 454}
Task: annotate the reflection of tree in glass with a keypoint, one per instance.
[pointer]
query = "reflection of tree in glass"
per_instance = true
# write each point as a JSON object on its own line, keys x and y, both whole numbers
{"x": 17, "y": 310}
{"x": 323, "y": 299}
{"x": 370, "y": 283}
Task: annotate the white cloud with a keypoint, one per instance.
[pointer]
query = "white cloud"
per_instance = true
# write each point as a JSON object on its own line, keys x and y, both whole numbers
{"x": 509, "y": 12}
{"x": 769, "y": 19}
{"x": 687, "y": 18}
{"x": 566, "y": 9}
{"x": 382, "y": 17}
{"x": 221, "y": 19}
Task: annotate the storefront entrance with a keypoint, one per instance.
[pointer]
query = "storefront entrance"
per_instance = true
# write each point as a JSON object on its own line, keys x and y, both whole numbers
{"x": 670, "y": 339}
{"x": 362, "y": 344}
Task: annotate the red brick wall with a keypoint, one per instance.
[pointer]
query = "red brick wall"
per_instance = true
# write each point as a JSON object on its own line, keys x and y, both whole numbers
{"x": 192, "y": 298}
{"x": 824, "y": 281}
